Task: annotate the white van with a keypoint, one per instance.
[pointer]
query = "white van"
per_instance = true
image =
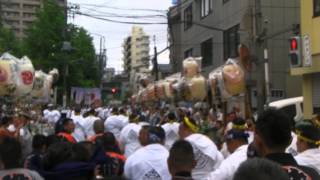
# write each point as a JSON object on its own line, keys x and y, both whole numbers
{"x": 293, "y": 107}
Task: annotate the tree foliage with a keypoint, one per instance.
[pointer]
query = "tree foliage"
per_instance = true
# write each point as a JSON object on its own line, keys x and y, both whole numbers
{"x": 44, "y": 41}
{"x": 8, "y": 42}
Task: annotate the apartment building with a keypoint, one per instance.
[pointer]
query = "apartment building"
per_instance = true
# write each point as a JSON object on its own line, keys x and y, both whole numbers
{"x": 213, "y": 29}
{"x": 136, "y": 55}
{"x": 18, "y": 15}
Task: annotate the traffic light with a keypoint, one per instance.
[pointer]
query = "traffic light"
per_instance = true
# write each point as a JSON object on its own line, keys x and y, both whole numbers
{"x": 295, "y": 52}
{"x": 114, "y": 90}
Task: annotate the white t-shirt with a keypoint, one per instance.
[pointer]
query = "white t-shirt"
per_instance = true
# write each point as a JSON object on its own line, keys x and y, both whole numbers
{"x": 172, "y": 133}
{"x": 129, "y": 139}
{"x": 148, "y": 163}
{"x": 114, "y": 125}
{"x": 88, "y": 125}
{"x": 230, "y": 165}
{"x": 79, "y": 132}
{"x": 207, "y": 156}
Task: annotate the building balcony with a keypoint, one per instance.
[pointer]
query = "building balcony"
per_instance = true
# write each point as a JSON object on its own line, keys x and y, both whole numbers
{"x": 30, "y": 2}
{"x": 11, "y": 18}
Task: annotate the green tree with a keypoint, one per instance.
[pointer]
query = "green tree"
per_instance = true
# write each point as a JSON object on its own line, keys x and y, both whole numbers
{"x": 44, "y": 41}
{"x": 8, "y": 41}
{"x": 83, "y": 66}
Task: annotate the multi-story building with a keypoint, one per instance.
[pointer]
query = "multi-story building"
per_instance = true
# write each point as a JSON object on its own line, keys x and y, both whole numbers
{"x": 214, "y": 29}
{"x": 310, "y": 71}
{"x": 136, "y": 55}
{"x": 18, "y": 15}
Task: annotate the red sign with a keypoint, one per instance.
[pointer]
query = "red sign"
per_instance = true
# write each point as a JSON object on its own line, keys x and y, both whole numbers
{"x": 27, "y": 77}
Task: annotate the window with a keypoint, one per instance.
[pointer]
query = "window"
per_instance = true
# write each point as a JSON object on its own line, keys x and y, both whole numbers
{"x": 316, "y": 8}
{"x": 276, "y": 93}
{"x": 206, "y": 52}
{"x": 225, "y": 1}
{"x": 206, "y": 7}
{"x": 187, "y": 17}
{"x": 230, "y": 42}
{"x": 316, "y": 92}
{"x": 188, "y": 53}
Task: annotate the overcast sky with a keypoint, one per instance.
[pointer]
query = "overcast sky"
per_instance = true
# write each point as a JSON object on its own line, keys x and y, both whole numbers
{"x": 115, "y": 33}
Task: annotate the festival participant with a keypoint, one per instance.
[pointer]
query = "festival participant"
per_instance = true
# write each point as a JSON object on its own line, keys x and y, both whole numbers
{"x": 53, "y": 115}
{"x": 65, "y": 160}
{"x": 272, "y": 136}
{"x": 172, "y": 130}
{"x": 149, "y": 162}
{"x": 88, "y": 123}
{"x": 114, "y": 124}
{"x": 154, "y": 116}
{"x": 98, "y": 128}
{"x": 123, "y": 116}
{"x": 10, "y": 158}
{"x": 39, "y": 147}
{"x": 260, "y": 169}
{"x": 181, "y": 160}
{"x": 21, "y": 130}
{"x": 68, "y": 128}
{"x": 112, "y": 150}
{"x": 4, "y": 124}
{"x": 129, "y": 136}
{"x": 237, "y": 145}
{"x": 45, "y": 112}
{"x": 79, "y": 131}
{"x": 308, "y": 145}
{"x": 206, "y": 153}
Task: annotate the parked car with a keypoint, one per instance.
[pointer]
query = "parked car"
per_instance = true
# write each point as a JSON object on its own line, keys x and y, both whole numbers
{"x": 292, "y": 106}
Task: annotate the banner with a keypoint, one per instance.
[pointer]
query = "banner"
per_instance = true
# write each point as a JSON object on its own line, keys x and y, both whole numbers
{"x": 85, "y": 96}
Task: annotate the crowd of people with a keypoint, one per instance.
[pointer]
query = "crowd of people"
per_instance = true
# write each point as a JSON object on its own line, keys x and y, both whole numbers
{"x": 157, "y": 143}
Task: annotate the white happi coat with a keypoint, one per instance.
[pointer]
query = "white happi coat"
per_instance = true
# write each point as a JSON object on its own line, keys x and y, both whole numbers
{"x": 310, "y": 158}
{"x": 45, "y": 114}
{"x": 206, "y": 154}
{"x": 148, "y": 163}
{"x": 292, "y": 148}
{"x": 79, "y": 131}
{"x": 124, "y": 119}
{"x": 114, "y": 125}
{"x": 230, "y": 165}
{"x": 53, "y": 116}
{"x": 171, "y": 130}
{"x": 88, "y": 125}
{"x": 129, "y": 139}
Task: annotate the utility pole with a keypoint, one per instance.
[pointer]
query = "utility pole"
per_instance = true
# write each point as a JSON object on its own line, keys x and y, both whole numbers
{"x": 259, "y": 51}
{"x": 266, "y": 74}
{"x": 155, "y": 60}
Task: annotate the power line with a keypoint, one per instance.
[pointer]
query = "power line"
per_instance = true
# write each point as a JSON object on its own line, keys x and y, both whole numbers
{"x": 118, "y": 8}
{"x": 108, "y": 14}
{"x": 147, "y": 23}
{"x": 121, "y": 22}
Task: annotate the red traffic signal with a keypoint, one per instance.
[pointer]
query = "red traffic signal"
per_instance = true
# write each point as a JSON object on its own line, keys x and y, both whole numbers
{"x": 294, "y": 44}
{"x": 113, "y": 90}
{"x": 295, "y": 53}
